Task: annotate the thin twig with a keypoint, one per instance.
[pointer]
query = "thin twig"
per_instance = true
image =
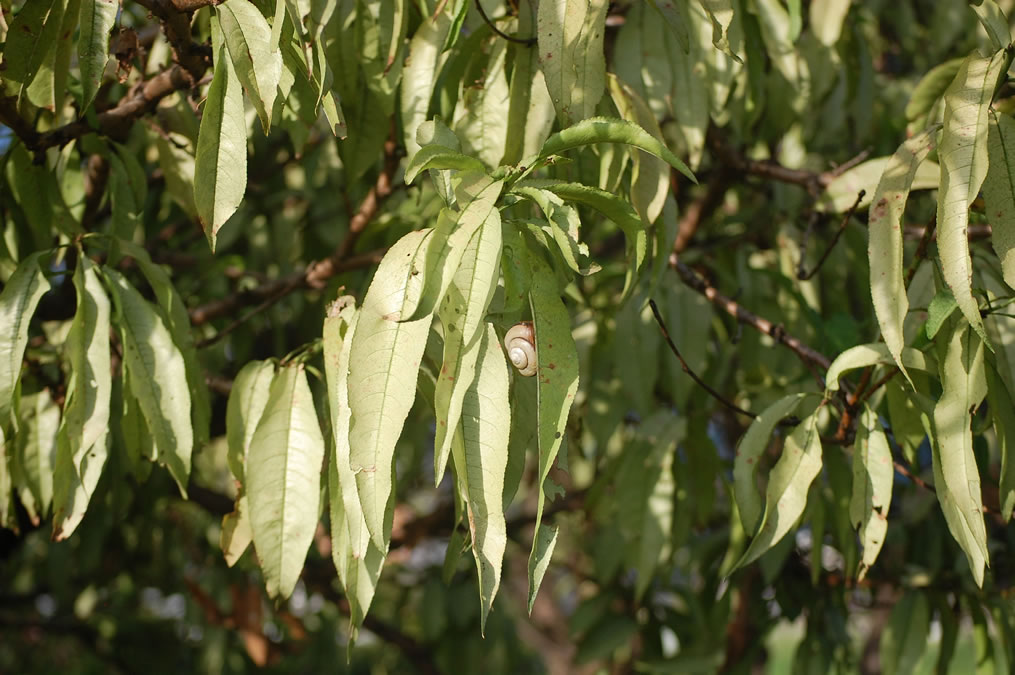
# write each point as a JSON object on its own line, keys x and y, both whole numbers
{"x": 510, "y": 38}
{"x": 700, "y": 209}
{"x": 802, "y": 275}
{"x": 921, "y": 251}
{"x": 687, "y": 369}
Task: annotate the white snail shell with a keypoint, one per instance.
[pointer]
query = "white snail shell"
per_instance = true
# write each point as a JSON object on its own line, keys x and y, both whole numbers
{"x": 520, "y": 343}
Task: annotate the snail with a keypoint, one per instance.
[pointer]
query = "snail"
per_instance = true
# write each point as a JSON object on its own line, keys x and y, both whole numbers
{"x": 520, "y": 342}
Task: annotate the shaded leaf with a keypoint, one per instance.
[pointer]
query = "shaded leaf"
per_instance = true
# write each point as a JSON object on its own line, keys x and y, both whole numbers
{"x": 96, "y": 21}
{"x": 18, "y": 300}
{"x": 871, "y": 497}
{"x": 999, "y": 191}
{"x": 570, "y": 35}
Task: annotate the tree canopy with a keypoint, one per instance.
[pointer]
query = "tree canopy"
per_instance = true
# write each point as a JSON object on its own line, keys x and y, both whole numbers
{"x": 531, "y": 336}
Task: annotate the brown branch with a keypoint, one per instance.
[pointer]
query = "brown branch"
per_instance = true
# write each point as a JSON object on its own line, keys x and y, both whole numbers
{"x": 802, "y": 273}
{"x": 921, "y": 250}
{"x": 700, "y": 209}
{"x": 807, "y": 354}
{"x": 812, "y": 181}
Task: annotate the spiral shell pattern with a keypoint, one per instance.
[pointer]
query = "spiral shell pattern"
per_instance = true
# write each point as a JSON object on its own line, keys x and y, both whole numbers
{"x": 520, "y": 343}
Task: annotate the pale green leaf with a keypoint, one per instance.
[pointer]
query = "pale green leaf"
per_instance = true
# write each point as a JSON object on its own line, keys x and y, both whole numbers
{"x": 82, "y": 444}
{"x": 689, "y": 94}
{"x": 841, "y": 193}
{"x": 236, "y": 534}
{"x": 873, "y": 474}
{"x": 440, "y": 157}
{"x": 557, "y": 383}
{"x": 994, "y": 22}
{"x": 539, "y": 560}
{"x": 788, "y": 485}
{"x": 749, "y": 452}
{"x": 650, "y": 177}
{"x": 720, "y": 12}
{"x": 284, "y": 480}
{"x": 963, "y": 156}
{"x": 247, "y": 399}
{"x": 31, "y": 40}
{"x": 481, "y": 116}
{"x": 157, "y": 373}
{"x": 610, "y": 130}
{"x": 356, "y": 558}
{"x": 220, "y": 168}
{"x": 999, "y": 192}
{"x": 18, "y": 300}
{"x": 256, "y": 60}
{"x": 476, "y": 194}
{"x": 530, "y": 109}
{"x": 481, "y": 463}
{"x": 420, "y": 75}
{"x": 97, "y": 19}
{"x": 570, "y": 34}
{"x": 875, "y": 353}
{"x": 904, "y": 640}
{"x": 827, "y": 18}
{"x": 931, "y": 88}
{"x": 615, "y": 208}
{"x": 461, "y": 315}
{"x": 564, "y": 227}
{"x": 36, "y": 451}
{"x": 956, "y": 478}
{"x": 384, "y": 364}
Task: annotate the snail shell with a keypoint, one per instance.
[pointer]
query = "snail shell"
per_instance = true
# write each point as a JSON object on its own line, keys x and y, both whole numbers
{"x": 520, "y": 343}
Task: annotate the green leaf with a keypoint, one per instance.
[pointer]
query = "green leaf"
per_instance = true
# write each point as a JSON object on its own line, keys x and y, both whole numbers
{"x": 557, "y": 383}
{"x": 885, "y": 244}
{"x": 128, "y": 189}
{"x": 904, "y": 641}
{"x": 18, "y": 300}
{"x": 384, "y": 364}
{"x": 674, "y": 14}
{"x": 356, "y": 558}
{"x": 461, "y": 314}
{"x": 872, "y": 487}
{"x": 31, "y": 40}
{"x": 788, "y": 485}
{"x": 720, "y": 12}
{"x": 610, "y": 205}
{"x": 440, "y": 157}
{"x": 530, "y": 108}
{"x": 564, "y": 226}
{"x": 220, "y": 168}
{"x": 36, "y": 452}
{"x": 423, "y": 65}
{"x": 256, "y": 60}
{"x": 481, "y": 462}
{"x": 610, "y": 130}
{"x": 827, "y": 18}
{"x": 157, "y": 374}
{"x": 749, "y": 451}
{"x": 476, "y": 195}
{"x": 999, "y": 191}
{"x": 539, "y": 560}
{"x": 994, "y": 22}
{"x": 1002, "y": 409}
{"x": 481, "y": 115}
{"x": 84, "y": 434}
{"x": 941, "y": 307}
{"x": 570, "y": 43}
{"x": 963, "y": 155}
{"x": 650, "y": 178}
{"x": 284, "y": 480}
{"x": 97, "y": 19}
{"x": 875, "y": 353}
{"x": 689, "y": 94}
{"x": 236, "y": 534}
{"x": 247, "y": 399}
{"x": 841, "y": 193}
{"x": 956, "y": 478}
{"x": 931, "y": 88}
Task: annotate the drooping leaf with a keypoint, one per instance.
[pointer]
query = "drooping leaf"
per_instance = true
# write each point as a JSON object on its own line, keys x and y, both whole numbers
{"x": 557, "y": 383}
{"x": 462, "y": 313}
{"x": 994, "y": 22}
{"x": 157, "y": 373}
{"x": 610, "y": 130}
{"x": 749, "y": 452}
{"x": 885, "y": 244}
{"x": 788, "y": 484}
{"x": 674, "y": 15}
{"x": 827, "y": 18}
{"x": 420, "y": 76}
{"x": 97, "y": 19}
{"x": 36, "y": 452}
{"x": 720, "y": 12}
{"x": 999, "y": 191}
{"x": 247, "y": 399}
{"x": 220, "y": 167}
{"x": 383, "y": 366}
{"x": 84, "y": 434}
{"x": 1002, "y": 409}
{"x": 284, "y": 480}
{"x": 875, "y": 353}
{"x": 872, "y": 487}
{"x": 956, "y": 477}
{"x": 530, "y": 108}
{"x": 256, "y": 60}
{"x": 356, "y": 558}
{"x": 963, "y": 156}
{"x": 481, "y": 462}
{"x": 841, "y": 193}
{"x": 18, "y": 300}
{"x": 941, "y": 307}
{"x": 31, "y": 40}
{"x": 539, "y": 560}
{"x": 570, "y": 34}
{"x": 931, "y": 88}
{"x": 481, "y": 116}
{"x": 905, "y": 638}
{"x": 236, "y": 533}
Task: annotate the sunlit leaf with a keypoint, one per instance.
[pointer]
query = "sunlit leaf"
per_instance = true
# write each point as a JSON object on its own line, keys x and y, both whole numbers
{"x": 18, "y": 300}
{"x": 570, "y": 34}
{"x": 256, "y": 61}
{"x": 872, "y": 487}
{"x": 875, "y": 353}
{"x": 247, "y": 398}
